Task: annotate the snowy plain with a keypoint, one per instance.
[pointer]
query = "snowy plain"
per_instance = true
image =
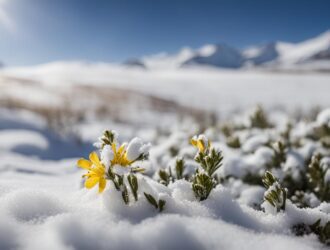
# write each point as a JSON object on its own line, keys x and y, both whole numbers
{"x": 43, "y": 204}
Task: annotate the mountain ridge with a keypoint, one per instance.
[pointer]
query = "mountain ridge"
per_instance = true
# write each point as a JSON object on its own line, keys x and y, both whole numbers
{"x": 313, "y": 52}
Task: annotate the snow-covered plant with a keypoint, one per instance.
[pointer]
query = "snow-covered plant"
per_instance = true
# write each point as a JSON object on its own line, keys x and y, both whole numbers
{"x": 279, "y": 153}
{"x": 323, "y": 232}
{"x": 202, "y": 185}
{"x": 275, "y": 194}
{"x": 317, "y": 177}
{"x": 166, "y": 176}
{"x": 158, "y": 205}
{"x": 210, "y": 161}
{"x": 108, "y": 137}
{"x": 208, "y": 157}
{"x": 116, "y": 164}
{"x": 179, "y": 168}
{"x": 259, "y": 119}
{"x": 233, "y": 142}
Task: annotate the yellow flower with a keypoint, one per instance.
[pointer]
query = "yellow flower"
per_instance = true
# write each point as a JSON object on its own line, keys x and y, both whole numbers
{"x": 201, "y": 142}
{"x": 96, "y": 171}
{"x": 120, "y": 156}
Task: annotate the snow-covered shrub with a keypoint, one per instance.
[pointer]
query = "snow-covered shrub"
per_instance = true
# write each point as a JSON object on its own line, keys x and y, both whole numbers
{"x": 275, "y": 194}
{"x": 240, "y": 163}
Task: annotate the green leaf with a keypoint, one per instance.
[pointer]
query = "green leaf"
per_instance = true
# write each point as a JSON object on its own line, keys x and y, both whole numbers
{"x": 151, "y": 200}
{"x": 133, "y": 182}
{"x": 125, "y": 195}
{"x": 161, "y": 205}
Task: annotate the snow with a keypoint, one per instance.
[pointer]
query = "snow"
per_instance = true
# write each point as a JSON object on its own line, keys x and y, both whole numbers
{"x": 278, "y": 55}
{"x": 44, "y": 204}
{"x": 220, "y": 87}
{"x": 135, "y": 148}
{"x": 306, "y": 50}
{"x": 323, "y": 118}
{"x": 11, "y": 138}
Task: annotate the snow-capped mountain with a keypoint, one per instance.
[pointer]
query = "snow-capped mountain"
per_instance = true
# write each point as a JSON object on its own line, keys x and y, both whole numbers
{"x": 317, "y": 48}
{"x": 257, "y": 55}
{"x": 216, "y": 55}
{"x": 310, "y": 54}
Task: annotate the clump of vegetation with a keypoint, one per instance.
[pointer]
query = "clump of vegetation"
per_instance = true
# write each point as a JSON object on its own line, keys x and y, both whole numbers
{"x": 259, "y": 119}
{"x": 210, "y": 161}
{"x": 116, "y": 165}
{"x": 316, "y": 176}
{"x": 322, "y": 231}
{"x": 166, "y": 176}
{"x": 303, "y": 177}
{"x": 158, "y": 205}
{"x": 279, "y": 149}
{"x": 275, "y": 195}
{"x": 233, "y": 142}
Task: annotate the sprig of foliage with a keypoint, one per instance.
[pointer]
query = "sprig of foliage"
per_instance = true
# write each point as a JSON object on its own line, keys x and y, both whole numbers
{"x": 259, "y": 119}
{"x": 133, "y": 183}
{"x": 210, "y": 161}
{"x": 179, "y": 168}
{"x": 160, "y": 205}
{"x": 118, "y": 181}
{"x": 164, "y": 177}
{"x": 279, "y": 149}
{"x": 108, "y": 137}
{"x": 323, "y": 232}
{"x": 275, "y": 194}
{"x": 233, "y": 142}
{"x": 202, "y": 186}
{"x": 315, "y": 174}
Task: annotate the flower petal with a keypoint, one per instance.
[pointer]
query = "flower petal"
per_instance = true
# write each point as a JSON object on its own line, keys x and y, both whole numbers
{"x": 94, "y": 158}
{"x": 200, "y": 145}
{"x": 85, "y": 164}
{"x": 98, "y": 170}
{"x": 91, "y": 182}
{"x": 102, "y": 184}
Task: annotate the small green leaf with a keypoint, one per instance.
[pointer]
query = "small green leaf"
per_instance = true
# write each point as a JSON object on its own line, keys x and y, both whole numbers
{"x": 161, "y": 205}
{"x": 151, "y": 200}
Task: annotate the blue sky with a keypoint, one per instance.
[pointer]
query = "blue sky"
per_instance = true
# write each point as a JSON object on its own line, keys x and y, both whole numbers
{"x": 38, "y": 31}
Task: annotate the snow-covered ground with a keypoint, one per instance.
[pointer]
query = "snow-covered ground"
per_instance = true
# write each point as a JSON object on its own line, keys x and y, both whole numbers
{"x": 202, "y": 87}
{"x": 43, "y": 202}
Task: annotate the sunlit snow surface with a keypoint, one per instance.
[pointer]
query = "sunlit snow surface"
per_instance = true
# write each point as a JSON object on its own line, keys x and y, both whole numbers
{"x": 43, "y": 204}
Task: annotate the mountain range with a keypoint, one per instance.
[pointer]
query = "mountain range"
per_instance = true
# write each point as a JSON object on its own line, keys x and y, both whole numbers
{"x": 312, "y": 54}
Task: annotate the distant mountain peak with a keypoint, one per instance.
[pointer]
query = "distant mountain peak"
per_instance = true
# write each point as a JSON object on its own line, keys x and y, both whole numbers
{"x": 272, "y": 54}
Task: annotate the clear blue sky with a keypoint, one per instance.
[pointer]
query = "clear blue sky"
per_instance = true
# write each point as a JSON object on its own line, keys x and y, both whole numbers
{"x": 38, "y": 31}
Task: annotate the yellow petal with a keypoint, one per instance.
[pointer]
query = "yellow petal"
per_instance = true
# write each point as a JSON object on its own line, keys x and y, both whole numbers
{"x": 200, "y": 145}
{"x": 114, "y": 148}
{"x": 83, "y": 163}
{"x": 94, "y": 158}
{"x": 102, "y": 184}
{"x": 91, "y": 182}
{"x": 99, "y": 170}
{"x": 193, "y": 142}
{"x": 121, "y": 149}
{"x": 90, "y": 174}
